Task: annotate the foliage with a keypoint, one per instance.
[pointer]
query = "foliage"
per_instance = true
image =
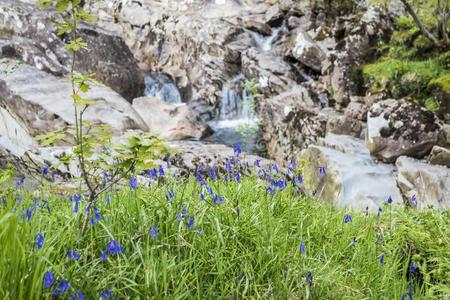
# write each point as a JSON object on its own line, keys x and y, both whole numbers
{"x": 94, "y": 150}
{"x": 253, "y": 245}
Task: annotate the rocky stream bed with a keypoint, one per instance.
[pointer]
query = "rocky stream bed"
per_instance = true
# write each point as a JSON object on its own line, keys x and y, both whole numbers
{"x": 186, "y": 62}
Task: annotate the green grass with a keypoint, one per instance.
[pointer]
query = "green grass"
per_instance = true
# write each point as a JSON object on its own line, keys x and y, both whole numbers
{"x": 254, "y": 255}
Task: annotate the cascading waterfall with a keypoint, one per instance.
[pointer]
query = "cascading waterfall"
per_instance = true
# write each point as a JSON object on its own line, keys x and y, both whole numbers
{"x": 237, "y": 121}
{"x": 161, "y": 86}
{"x": 265, "y": 42}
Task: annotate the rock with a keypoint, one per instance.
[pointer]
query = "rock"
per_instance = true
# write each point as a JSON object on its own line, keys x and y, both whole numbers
{"x": 273, "y": 16}
{"x": 112, "y": 62}
{"x": 423, "y": 185}
{"x": 33, "y": 39}
{"x": 349, "y": 123}
{"x": 256, "y": 26}
{"x": 170, "y": 121}
{"x": 290, "y": 122}
{"x": 352, "y": 179}
{"x": 446, "y": 130}
{"x": 43, "y": 102}
{"x": 398, "y": 127}
{"x": 440, "y": 156}
{"x": 276, "y": 72}
{"x": 191, "y": 155}
{"x": 14, "y": 137}
{"x": 306, "y": 51}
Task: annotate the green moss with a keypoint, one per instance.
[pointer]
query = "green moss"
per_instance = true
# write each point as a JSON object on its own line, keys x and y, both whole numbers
{"x": 442, "y": 82}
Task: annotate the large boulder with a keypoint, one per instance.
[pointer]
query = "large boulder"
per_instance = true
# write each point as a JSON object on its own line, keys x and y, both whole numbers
{"x": 290, "y": 122}
{"x": 398, "y": 127}
{"x": 440, "y": 156}
{"x": 306, "y": 51}
{"x": 28, "y": 34}
{"x": 350, "y": 177}
{"x": 43, "y": 102}
{"x": 170, "y": 121}
{"x": 423, "y": 185}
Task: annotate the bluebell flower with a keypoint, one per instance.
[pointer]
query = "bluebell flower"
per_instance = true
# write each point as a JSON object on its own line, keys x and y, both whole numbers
{"x": 154, "y": 232}
{"x": 39, "y": 241}
{"x": 237, "y": 149}
{"x": 185, "y": 211}
{"x": 347, "y": 218}
{"x": 152, "y": 173}
{"x": 202, "y": 196}
{"x": 257, "y": 163}
{"x": 190, "y": 223}
{"x": 180, "y": 217}
{"x": 390, "y": 200}
{"x": 48, "y": 280}
{"x": 78, "y": 296}
{"x": 133, "y": 182}
{"x": 382, "y": 257}
{"x": 4, "y": 201}
{"x": 410, "y": 296}
{"x": 367, "y": 211}
{"x": 238, "y": 211}
{"x": 104, "y": 255}
{"x": 379, "y": 211}
{"x": 161, "y": 171}
{"x": 353, "y": 243}
{"x": 302, "y": 248}
{"x": 20, "y": 181}
{"x": 53, "y": 175}
{"x": 108, "y": 199}
{"x": 212, "y": 174}
{"x": 209, "y": 190}
{"x": 238, "y": 177}
{"x": 322, "y": 171}
{"x": 72, "y": 255}
{"x": 216, "y": 198}
{"x": 97, "y": 214}
{"x": 106, "y": 294}
{"x": 309, "y": 278}
{"x": 412, "y": 267}
{"x": 276, "y": 168}
{"x": 44, "y": 170}
{"x": 114, "y": 248}
{"x": 198, "y": 176}
{"x": 414, "y": 200}
{"x": 300, "y": 179}
{"x": 221, "y": 199}
{"x": 199, "y": 232}
{"x": 271, "y": 190}
{"x": 64, "y": 286}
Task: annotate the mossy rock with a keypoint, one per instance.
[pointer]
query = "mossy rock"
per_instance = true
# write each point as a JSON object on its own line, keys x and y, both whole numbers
{"x": 441, "y": 92}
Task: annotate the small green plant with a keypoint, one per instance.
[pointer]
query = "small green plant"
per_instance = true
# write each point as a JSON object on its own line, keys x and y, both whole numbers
{"x": 94, "y": 150}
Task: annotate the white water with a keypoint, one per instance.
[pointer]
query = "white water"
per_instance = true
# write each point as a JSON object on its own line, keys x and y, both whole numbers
{"x": 162, "y": 87}
{"x": 236, "y": 113}
{"x": 265, "y": 42}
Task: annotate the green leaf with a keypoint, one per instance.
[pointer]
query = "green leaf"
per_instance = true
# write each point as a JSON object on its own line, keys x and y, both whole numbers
{"x": 78, "y": 101}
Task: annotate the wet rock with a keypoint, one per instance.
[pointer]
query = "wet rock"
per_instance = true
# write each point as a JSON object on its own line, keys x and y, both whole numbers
{"x": 43, "y": 102}
{"x": 398, "y": 127}
{"x": 423, "y": 185}
{"x": 290, "y": 122}
{"x": 306, "y": 51}
{"x": 350, "y": 177}
{"x": 440, "y": 156}
{"x": 170, "y": 121}
{"x": 34, "y": 40}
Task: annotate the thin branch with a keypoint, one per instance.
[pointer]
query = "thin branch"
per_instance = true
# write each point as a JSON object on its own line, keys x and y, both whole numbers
{"x": 421, "y": 26}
